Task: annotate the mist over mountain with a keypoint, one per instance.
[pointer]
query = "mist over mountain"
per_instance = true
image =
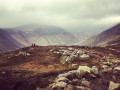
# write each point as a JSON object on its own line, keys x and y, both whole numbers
{"x": 43, "y": 35}
{"x": 109, "y": 36}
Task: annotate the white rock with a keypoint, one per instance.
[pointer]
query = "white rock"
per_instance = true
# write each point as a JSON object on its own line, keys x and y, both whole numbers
{"x": 64, "y": 75}
{"x": 94, "y": 70}
{"x": 105, "y": 66}
{"x": 107, "y": 63}
{"x": 3, "y": 72}
{"x": 82, "y": 88}
{"x": 51, "y": 50}
{"x": 84, "y": 56}
{"x": 62, "y": 79}
{"x": 28, "y": 54}
{"x": 74, "y": 65}
{"x": 22, "y": 53}
{"x": 57, "y": 52}
{"x": 73, "y": 71}
{"x": 59, "y": 85}
{"x": 113, "y": 86}
{"x": 70, "y": 48}
{"x": 82, "y": 70}
{"x": 81, "y": 52}
{"x": 84, "y": 82}
{"x": 117, "y": 68}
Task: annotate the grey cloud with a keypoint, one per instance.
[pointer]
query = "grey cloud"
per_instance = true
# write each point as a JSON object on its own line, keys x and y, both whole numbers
{"x": 64, "y": 13}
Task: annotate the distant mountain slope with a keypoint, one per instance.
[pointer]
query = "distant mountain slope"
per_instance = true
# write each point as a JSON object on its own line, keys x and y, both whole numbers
{"x": 110, "y": 36}
{"x": 7, "y": 42}
{"x": 38, "y": 34}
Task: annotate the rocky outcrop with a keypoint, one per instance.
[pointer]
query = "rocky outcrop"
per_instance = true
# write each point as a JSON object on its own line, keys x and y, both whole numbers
{"x": 82, "y": 70}
{"x": 24, "y": 53}
{"x": 117, "y": 68}
{"x": 59, "y": 85}
{"x": 114, "y": 86}
{"x": 69, "y": 54}
{"x": 90, "y": 78}
{"x": 84, "y": 56}
{"x": 105, "y": 76}
{"x": 94, "y": 70}
{"x": 66, "y": 80}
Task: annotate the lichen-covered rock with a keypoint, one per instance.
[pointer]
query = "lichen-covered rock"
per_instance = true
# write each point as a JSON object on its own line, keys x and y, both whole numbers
{"x": 59, "y": 85}
{"x": 105, "y": 67}
{"x": 84, "y": 56}
{"x": 82, "y": 88}
{"x": 73, "y": 73}
{"x": 94, "y": 70}
{"x": 66, "y": 75}
{"x": 62, "y": 79}
{"x": 107, "y": 63}
{"x": 117, "y": 68}
{"x": 82, "y": 70}
{"x": 70, "y": 87}
{"x": 113, "y": 86}
{"x": 73, "y": 65}
{"x": 84, "y": 82}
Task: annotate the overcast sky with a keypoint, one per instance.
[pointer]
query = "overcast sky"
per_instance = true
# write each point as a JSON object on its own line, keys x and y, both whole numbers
{"x": 69, "y": 14}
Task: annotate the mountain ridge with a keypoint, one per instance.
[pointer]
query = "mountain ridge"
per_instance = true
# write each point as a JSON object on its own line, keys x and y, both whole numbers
{"x": 40, "y": 35}
{"x": 103, "y": 39}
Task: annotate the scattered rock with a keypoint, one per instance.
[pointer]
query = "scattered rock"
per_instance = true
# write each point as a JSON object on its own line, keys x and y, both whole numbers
{"x": 105, "y": 67}
{"x": 113, "y": 86}
{"x": 3, "y": 72}
{"x": 84, "y": 56}
{"x": 117, "y": 68}
{"x": 94, "y": 70}
{"x": 107, "y": 63}
{"x": 28, "y": 54}
{"x": 66, "y": 75}
{"x": 114, "y": 77}
{"x": 59, "y": 85}
{"x": 103, "y": 58}
{"x": 70, "y": 48}
{"x": 82, "y": 70}
{"x": 74, "y": 65}
{"x": 51, "y": 50}
{"x": 74, "y": 81}
{"x": 92, "y": 76}
{"x": 82, "y": 88}
{"x": 62, "y": 79}
{"x": 70, "y": 87}
{"x": 84, "y": 82}
{"x": 40, "y": 88}
{"x": 50, "y": 66}
{"x": 23, "y": 53}
{"x": 73, "y": 73}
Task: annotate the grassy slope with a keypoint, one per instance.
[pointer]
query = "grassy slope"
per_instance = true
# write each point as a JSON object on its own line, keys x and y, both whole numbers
{"x": 40, "y": 68}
